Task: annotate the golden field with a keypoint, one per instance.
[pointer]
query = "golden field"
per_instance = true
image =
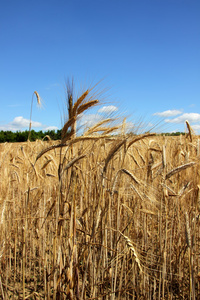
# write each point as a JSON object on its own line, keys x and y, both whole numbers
{"x": 100, "y": 218}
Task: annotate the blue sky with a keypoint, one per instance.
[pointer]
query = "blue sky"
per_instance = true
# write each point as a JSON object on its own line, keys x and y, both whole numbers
{"x": 146, "y": 52}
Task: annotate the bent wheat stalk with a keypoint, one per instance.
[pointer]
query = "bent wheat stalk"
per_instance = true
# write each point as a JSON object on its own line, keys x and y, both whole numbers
{"x": 140, "y": 137}
{"x": 39, "y": 104}
{"x": 112, "y": 152}
{"x": 189, "y": 130}
{"x": 178, "y": 169}
{"x": 131, "y": 175}
{"x": 97, "y": 125}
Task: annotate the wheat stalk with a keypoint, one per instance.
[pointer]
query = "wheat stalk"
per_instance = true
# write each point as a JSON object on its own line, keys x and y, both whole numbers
{"x": 39, "y": 102}
{"x": 189, "y": 130}
{"x": 86, "y": 105}
{"x": 131, "y": 175}
{"x": 178, "y": 169}
{"x": 46, "y": 136}
{"x": 198, "y": 197}
{"x": 133, "y": 249}
{"x": 97, "y": 125}
{"x": 187, "y": 230}
{"x": 3, "y": 211}
{"x": 140, "y": 137}
{"x": 65, "y": 135}
{"x": 112, "y": 152}
{"x": 79, "y": 101}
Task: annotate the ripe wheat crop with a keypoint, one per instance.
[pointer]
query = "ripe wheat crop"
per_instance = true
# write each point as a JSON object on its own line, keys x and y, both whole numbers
{"x": 100, "y": 217}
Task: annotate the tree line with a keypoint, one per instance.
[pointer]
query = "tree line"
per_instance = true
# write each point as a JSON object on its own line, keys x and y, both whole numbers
{"x": 22, "y": 136}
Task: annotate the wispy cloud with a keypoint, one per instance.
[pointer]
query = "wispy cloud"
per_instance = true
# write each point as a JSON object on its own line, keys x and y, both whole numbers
{"x": 192, "y": 105}
{"x": 108, "y": 109}
{"x": 168, "y": 113}
{"x": 191, "y": 117}
{"x": 53, "y": 85}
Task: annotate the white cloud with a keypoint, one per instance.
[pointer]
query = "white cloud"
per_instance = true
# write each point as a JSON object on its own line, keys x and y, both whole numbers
{"x": 190, "y": 117}
{"x": 108, "y": 109}
{"x": 196, "y": 127}
{"x": 89, "y": 120}
{"x": 20, "y": 123}
{"x": 129, "y": 127}
{"x": 150, "y": 125}
{"x": 50, "y": 128}
{"x": 168, "y": 113}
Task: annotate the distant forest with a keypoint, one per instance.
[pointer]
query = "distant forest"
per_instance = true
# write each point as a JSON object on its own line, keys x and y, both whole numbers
{"x": 22, "y": 136}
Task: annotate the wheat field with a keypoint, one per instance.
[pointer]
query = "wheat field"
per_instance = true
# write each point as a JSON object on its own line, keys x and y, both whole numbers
{"x": 100, "y": 216}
